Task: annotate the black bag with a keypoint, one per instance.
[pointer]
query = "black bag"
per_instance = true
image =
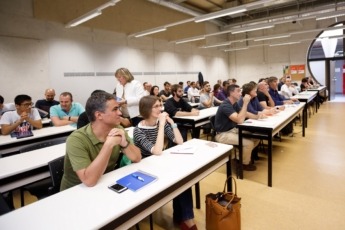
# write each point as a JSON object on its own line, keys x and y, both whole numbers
{"x": 287, "y": 129}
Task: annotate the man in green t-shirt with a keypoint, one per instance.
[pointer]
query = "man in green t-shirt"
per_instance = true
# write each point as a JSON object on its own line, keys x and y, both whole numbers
{"x": 94, "y": 149}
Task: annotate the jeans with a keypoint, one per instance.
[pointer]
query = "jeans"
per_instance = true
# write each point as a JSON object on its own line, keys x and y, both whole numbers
{"x": 183, "y": 206}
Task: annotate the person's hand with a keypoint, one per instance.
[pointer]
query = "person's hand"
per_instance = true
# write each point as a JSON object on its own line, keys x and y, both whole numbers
{"x": 24, "y": 116}
{"x": 117, "y": 137}
{"x": 246, "y": 98}
{"x": 162, "y": 118}
{"x": 169, "y": 120}
{"x": 211, "y": 94}
{"x": 194, "y": 112}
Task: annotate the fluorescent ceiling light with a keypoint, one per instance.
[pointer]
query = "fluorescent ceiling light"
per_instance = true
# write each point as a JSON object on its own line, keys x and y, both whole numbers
{"x": 272, "y": 37}
{"x": 236, "y": 49}
{"x": 283, "y": 44}
{"x": 91, "y": 14}
{"x": 251, "y": 28}
{"x": 216, "y": 45}
{"x": 190, "y": 39}
{"x": 333, "y": 14}
{"x": 219, "y": 14}
{"x": 147, "y": 32}
{"x": 83, "y": 18}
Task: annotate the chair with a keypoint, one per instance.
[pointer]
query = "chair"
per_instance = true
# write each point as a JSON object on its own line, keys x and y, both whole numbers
{"x": 40, "y": 189}
{"x": 4, "y": 207}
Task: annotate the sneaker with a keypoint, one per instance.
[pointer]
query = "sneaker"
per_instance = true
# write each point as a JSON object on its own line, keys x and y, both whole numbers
{"x": 249, "y": 167}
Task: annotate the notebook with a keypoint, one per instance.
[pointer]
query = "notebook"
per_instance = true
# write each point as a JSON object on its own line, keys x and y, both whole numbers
{"x": 136, "y": 180}
{"x": 183, "y": 149}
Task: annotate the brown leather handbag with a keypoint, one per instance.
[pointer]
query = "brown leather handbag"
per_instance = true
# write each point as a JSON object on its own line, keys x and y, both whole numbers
{"x": 223, "y": 210}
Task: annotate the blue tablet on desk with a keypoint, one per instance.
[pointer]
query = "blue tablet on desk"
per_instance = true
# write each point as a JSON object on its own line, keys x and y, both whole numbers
{"x": 136, "y": 180}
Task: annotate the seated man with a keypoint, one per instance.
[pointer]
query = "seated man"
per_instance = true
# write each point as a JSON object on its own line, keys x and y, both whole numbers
{"x": 176, "y": 106}
{"x": 4, "y": 107}
{"x": 67, "y": 112}
{"x": 44, "y": 105}
{"x": 23, "y": 118}
{"x": 288, "y": 89}
{"x": 276, "y": 97}
{"x": 166, "y": 92}
{"x": 193, "y": 92}
{"x": 230, "y": 114}
{"x": 94, "y": 149}
{"x": 207, "y": 99}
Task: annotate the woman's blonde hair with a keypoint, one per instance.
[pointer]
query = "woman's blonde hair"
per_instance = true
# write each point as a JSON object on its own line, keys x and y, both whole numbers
{"x": 125, "y": 73}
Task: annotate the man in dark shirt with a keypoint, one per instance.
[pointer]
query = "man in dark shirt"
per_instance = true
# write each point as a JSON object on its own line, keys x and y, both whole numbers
{"x": 273, "y": 90}
{"x": 230, "y": 114}
{"x": 44, "y": 105}
{"x": 166, "y": 92}
{"x": 176, "y": 106}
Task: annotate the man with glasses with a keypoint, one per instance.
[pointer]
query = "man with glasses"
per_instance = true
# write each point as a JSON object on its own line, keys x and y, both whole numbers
{"x": 95, "y": 148}
{"x": 23, "y": 118}
{"x": 68, "y": 112}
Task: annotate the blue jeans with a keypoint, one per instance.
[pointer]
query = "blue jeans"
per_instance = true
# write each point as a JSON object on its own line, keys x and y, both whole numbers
{"x": 183, "y": 206}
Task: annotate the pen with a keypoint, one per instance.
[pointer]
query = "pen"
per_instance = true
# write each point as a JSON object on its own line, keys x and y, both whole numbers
{"x": 138, "y": 177}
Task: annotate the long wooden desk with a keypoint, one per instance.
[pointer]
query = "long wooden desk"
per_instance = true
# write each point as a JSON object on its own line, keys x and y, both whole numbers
{"x": 307, "y": 97}
{"x": 98, "y": 207}
{"x": 22, "y": 169}
{"x": 9, "y": 145}
{"x": 266, "y": 129}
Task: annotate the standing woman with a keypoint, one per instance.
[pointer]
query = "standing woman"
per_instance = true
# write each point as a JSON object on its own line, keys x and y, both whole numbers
{"x": 129, "y": 91}
{"x": 149, "y": 137}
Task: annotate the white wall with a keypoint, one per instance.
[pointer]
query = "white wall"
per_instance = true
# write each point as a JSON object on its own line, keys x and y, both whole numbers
{"x": 36, "y": 55}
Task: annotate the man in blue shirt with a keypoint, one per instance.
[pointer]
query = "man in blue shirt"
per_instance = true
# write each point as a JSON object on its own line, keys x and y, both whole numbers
{"x": 67, "y": 113}
{"x": 273, "y": 90}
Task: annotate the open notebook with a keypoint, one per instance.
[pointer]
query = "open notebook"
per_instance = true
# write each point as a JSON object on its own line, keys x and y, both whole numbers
{"x": 136, "y": 180}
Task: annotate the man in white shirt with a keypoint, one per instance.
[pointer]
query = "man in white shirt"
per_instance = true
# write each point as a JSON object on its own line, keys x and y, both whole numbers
{"x": 5, "y": 107}
{"x": 207, "y": 97}
{"x": 193, "y": 92}
{"x": 288, "y": 89}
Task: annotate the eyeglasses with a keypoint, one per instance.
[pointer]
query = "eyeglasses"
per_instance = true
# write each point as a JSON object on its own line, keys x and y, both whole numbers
{"x": 157, "y": 106}
{"x": 27, "y": 105}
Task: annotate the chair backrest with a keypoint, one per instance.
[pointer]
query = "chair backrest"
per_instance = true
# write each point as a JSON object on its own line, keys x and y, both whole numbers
{"x": 43, "y": 144}
{"x": 4, "y": 208}
{"x": 213, "y": 131}
{"x": 56, "y": 168}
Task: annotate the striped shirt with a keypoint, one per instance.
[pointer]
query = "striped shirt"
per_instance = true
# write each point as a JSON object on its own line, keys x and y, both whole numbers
{"x": 145, "y": 137}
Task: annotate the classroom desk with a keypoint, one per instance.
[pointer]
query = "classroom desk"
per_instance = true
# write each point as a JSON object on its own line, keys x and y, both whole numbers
{"x": 98, "y": 207}
{"x": 196, "y": 121}
{"x": 307, "y": 97}
{"x": 194, "y": 104}
{"x": 22, "y": 169}
{"x": 266, "y": 129}
{"x": 9, "y": 145}
{"x": 319, "y": 90}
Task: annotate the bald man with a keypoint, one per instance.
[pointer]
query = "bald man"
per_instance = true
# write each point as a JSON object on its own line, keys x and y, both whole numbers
{"x": 44, "y": 105}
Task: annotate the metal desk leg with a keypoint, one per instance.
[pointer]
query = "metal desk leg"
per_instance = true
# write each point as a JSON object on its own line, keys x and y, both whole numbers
{"x": 240, "y": 146}
{"x": 229, "y": 173}
{"x": 269, "y": 153}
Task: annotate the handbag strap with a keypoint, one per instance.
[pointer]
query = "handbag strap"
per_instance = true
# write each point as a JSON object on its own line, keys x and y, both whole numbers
{"x": 234, "y": 185}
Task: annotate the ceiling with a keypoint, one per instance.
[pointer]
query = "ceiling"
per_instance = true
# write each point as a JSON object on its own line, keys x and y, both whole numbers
{"x": 133, "y": 17}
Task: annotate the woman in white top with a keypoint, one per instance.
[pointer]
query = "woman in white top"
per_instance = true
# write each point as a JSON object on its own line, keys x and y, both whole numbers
{"x": 129, "y": 93}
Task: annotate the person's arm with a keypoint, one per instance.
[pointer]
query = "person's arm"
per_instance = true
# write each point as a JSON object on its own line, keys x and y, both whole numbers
{"x": 35, "y": 123}
{"x": 241, "y": 116}
{"x": 178, "y": 137}
{"x": 66, "y": 120}
{"x": 207, "y": 103}
{"x": 91, "y": 174}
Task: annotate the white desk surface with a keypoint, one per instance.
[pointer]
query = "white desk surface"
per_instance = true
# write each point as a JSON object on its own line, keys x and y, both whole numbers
{"x": 84, "y": 207}
{"x": 27, "y": 161}
{"x": 306, "y": 95}
{"x": 48, "y": 131}
{"x": 275, "y": 120}
{"x": 318, "y": 88}
{"x": 203, "y": 113}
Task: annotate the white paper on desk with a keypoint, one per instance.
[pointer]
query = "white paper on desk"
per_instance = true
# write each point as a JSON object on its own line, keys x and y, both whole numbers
{"x": 183, "y": 149}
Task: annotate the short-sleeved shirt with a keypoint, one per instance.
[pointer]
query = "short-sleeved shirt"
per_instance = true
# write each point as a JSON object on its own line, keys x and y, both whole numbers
{"x": 163, "y": 92}
{"x": 222, "y": 121}
{"x": 7, "y": 107}
{"x": 45, "y": 105}
{"x": 276, "y": 97}
{"x": 145, "y": 137}
{"x": 11, "y": 117}
{"x": 262, "y": 97}
{"x": 254, "y": 105}
{"x": 221, "y": 95}
{"x": 82, "y": 147}
{"x": 205, "y": 97}
{"x": 75, "y": 111}
{"x": 172, "y": 107}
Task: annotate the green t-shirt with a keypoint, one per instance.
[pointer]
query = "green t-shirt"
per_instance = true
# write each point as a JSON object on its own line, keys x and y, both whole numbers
{"x": 82, "y": 147}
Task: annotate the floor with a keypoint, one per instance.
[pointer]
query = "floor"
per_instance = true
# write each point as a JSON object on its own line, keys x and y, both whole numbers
{"x": 308, "y": 181}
